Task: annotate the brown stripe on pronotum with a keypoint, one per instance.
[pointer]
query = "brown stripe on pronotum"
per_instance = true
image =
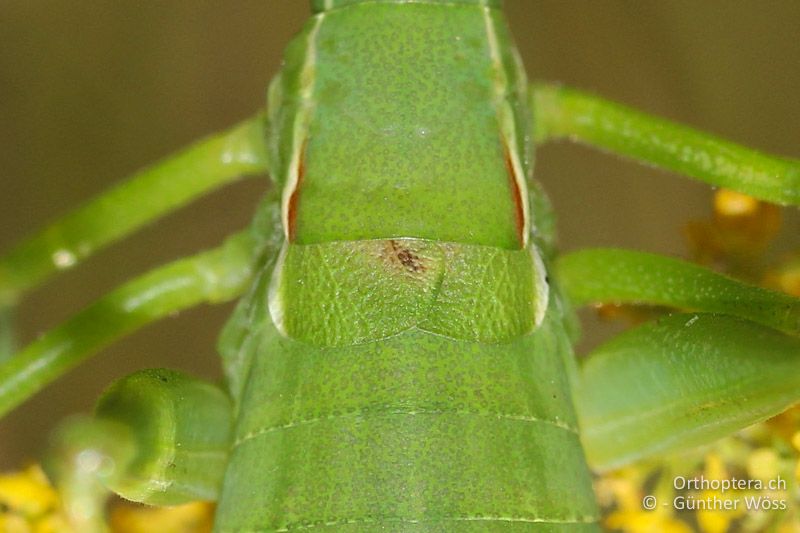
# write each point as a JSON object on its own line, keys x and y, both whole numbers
{"x": 291, "y": 214}
{"x": 516, "y": 194}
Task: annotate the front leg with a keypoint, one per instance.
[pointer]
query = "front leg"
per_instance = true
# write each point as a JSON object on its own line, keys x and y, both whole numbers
{"x": 215, "y": 276}
{"x": 142, "y": 198}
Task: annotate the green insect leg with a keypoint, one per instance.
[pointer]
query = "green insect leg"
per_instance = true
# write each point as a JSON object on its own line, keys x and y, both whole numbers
{"x": 682, "y": 381}
{"x": 148, "y": 195}
{"x": 564, "y": 113}
{"x": 157, "y": 437}
{"x": 215, "y": 276}
{"x": 628, "y": 277}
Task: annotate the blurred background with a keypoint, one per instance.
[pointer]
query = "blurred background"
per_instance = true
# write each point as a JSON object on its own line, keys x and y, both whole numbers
{"x": 93, "y": 90}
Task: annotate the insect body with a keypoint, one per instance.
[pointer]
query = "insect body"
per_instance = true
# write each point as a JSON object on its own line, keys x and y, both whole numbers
{"x": 401, "y": 359}
{"x": 416, "y": 310}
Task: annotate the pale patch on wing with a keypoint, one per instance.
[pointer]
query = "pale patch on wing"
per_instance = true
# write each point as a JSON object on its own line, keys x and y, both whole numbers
{"x": 275, "y": 298}
{"x": 541, "y": 284}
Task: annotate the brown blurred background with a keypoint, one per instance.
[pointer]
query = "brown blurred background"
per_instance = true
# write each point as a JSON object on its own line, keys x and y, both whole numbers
{"x": 92, "y": 90}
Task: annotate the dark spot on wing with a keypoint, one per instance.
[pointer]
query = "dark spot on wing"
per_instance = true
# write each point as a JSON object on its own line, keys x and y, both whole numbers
{"x": 406, "y": 257}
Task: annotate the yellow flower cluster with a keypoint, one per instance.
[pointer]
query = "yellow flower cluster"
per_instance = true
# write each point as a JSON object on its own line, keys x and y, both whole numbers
{"x": 195, "y": 517}
{"x": 739, "y": 232}
{"x": 30, "y": 504}
{"x": 763, "y": 453}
